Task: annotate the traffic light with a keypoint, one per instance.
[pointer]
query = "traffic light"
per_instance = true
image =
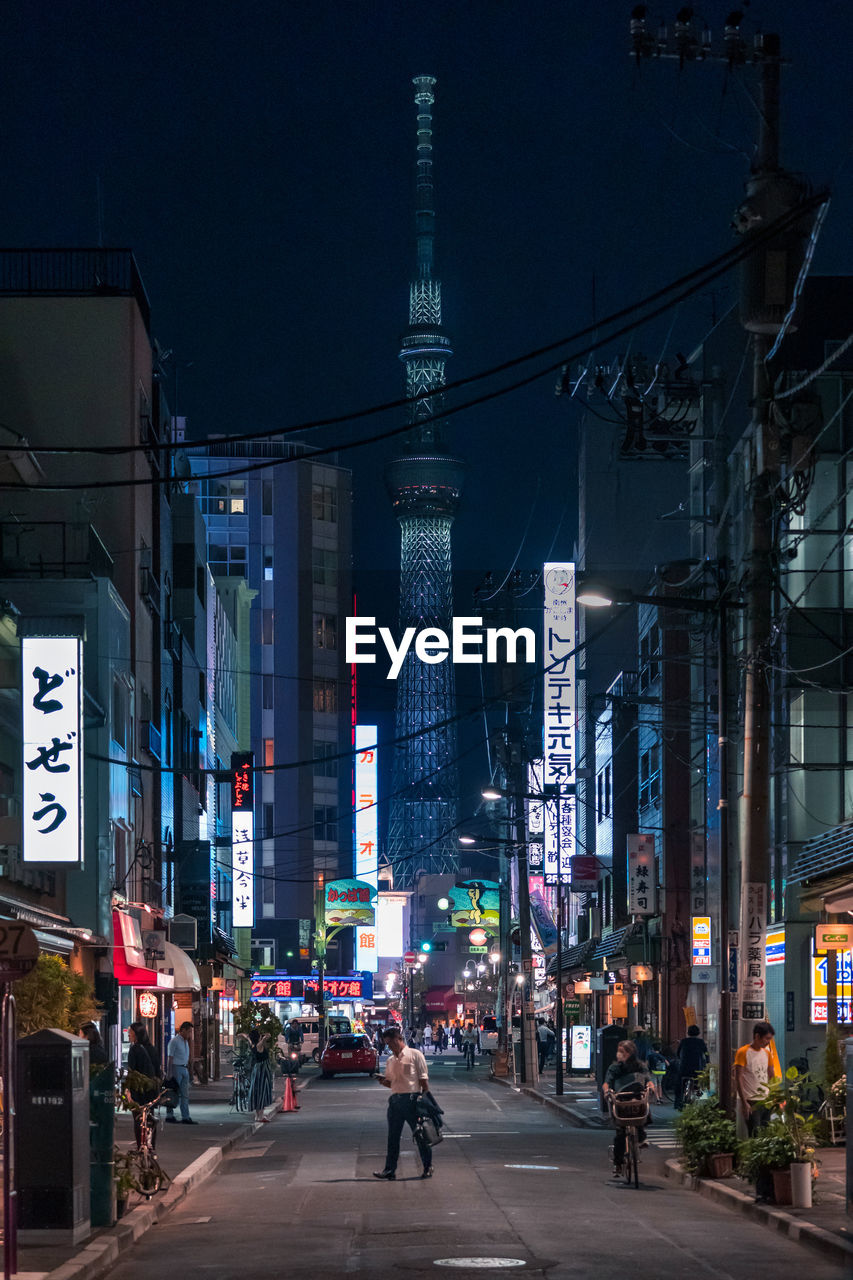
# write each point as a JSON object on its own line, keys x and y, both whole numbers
{"x": 426, "y": 946}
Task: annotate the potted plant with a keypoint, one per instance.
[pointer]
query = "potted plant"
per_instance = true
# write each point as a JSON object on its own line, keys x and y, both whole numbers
{"x": 785, "y": 1098}
{"x": 123, "y": 1180}
{"x": 707, "y": 1138}
{"x": 765, "y": 1160}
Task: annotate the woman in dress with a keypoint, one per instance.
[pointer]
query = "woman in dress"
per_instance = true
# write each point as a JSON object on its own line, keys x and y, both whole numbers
{"x": 260, "y": 1082}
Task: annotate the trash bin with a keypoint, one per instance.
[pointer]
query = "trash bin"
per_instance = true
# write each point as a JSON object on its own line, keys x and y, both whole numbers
{"x": 606, "y": 1043}
{"x": 52, "y": 1138}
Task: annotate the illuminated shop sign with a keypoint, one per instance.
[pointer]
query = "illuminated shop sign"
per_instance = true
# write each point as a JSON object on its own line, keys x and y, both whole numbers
{"x": 51, "y": 689}
{"x": 366, "y": 811}
{"x": 560, "y": 718}
{"x": 350, "y": 902}
{"x": 308, "y": 988}
{"x": 774, "y": 946}
{"x": 701, "y": 932}
{"x": 642, "y": 876}
{"x": 844, "y": 984}
{"x": 243, "y": 839}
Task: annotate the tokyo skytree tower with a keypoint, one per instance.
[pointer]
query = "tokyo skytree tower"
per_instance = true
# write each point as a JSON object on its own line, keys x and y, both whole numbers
{"x": 425, "y": 484}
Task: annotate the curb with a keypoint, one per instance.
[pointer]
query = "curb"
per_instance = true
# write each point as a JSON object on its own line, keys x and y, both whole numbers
{"x": 94, "y": 1260}
{"x": 794, "y": 1228}
{"x": 574, "y": 1116}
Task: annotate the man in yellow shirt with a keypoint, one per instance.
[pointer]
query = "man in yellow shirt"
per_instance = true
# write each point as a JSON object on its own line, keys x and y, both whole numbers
{"x": 755, "y": 1067}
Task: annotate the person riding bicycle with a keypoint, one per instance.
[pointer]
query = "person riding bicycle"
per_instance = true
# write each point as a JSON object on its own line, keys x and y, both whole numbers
{"x": 692, "y": 1057}
{"x": 626, "y": 1073}
{"x": 469, "y": 1045}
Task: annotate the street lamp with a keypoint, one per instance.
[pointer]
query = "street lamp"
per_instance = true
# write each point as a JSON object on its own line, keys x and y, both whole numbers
{"x": 529, "y": 1068}
{"x": 595, "y": 594}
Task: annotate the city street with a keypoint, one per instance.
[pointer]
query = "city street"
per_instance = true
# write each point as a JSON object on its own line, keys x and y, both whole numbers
{"x": 512, "y": 1182}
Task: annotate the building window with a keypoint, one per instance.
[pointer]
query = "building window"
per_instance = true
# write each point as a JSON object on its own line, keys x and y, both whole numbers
{"x": 269, "y": 885}
{"x": 268, "y": 692}
{"x": 649, "y": 777}
{"x": 325, "y": 822}
{"x": 325, "y": 567}
{"x": 267, "y": 626}
{"x": 237, "y": 498}
{"x": 608, "y": 791}
{"x": 324, "y": 502}
{"x": 267, "y": 564}
{"x": 263, "y": 953}
{"x": 325, "y": 762}
{"x": 325, "y": 631}
{"x": 119, "y": 724}
{"x": 649, "y": 656}
{"x": 266, "y": 499}
{"x": 269, "y": 821}
{"x": 325, "y": 695}
{"x": 269, "y": 754}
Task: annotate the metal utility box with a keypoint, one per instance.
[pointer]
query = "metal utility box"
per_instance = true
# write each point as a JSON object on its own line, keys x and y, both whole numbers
{"x": 606, "y": 1043}
{"x": 52, "y": 1138}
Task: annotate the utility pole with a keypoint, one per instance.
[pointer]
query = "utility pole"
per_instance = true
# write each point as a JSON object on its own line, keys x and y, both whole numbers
{"x": 769, "y": 276}
{"x": 528, "y": 1023}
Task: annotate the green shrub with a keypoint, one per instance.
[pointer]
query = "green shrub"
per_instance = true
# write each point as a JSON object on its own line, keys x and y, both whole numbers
{"x": 772, "y": 1148}
{"x": 703, "y": 1129}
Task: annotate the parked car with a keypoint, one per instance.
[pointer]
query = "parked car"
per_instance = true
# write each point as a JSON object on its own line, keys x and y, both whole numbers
{"x": 310, "y": 1028}
{"x": 348, "y": 1053}
{"x": 488, "y": 1035}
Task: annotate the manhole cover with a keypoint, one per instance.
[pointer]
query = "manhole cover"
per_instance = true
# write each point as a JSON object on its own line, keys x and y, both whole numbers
{"x": 483, "y": 1263}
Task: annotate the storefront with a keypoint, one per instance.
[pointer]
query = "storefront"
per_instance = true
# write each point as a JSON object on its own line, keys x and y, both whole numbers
{"x": 159, "y": 994}
{"x": 292, "y": 996}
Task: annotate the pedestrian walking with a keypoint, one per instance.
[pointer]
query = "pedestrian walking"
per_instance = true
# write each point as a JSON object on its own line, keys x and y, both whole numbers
{"x": 178, "y": 1069}
{"x": 643, "y": 1044}
{"x": 427, "y": 1038}
{"x": 419, "y": 1038}
{"x": 692, "y": 1057}
{"x": 97, "y": 1052}
{"x": 142, "y": 1058}
{"x": 407, "y": 1076}
{"x": 542, "y": 1035}
{"x": 260, "y": 1081}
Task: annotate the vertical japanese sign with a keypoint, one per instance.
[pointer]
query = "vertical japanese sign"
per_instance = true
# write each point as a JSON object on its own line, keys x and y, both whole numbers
{"x": 560, "y": 717}
{"x": 700, "y": 933}
{"x": 753, "y": 985}
{"x": 642, "y": 876}
{"x": 365, "y": 797}
{"x": 697, "y": 872}
{"x": 51, "y": 687}
{"x": 243, "y": 839}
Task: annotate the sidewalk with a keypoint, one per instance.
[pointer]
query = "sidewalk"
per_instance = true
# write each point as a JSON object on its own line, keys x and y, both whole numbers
{"x": 824, "y": 1226}
{"x": 190, "y": 1154}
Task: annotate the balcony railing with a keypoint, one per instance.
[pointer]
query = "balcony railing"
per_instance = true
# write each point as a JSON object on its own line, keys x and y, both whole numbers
{"x": 74, "y": 272}
{"x": 52, "y": 549}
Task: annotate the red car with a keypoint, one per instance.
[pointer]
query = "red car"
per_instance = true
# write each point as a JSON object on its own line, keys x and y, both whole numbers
{"x": 348, "y": 1053}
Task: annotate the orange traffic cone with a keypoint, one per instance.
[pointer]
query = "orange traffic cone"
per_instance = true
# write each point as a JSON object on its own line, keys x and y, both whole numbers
{"x": 289, "y": 1103}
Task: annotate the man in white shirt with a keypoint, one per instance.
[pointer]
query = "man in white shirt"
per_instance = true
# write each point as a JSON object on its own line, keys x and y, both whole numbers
{"x": 178, "y": 1068}
{"x": 406, "y": 1076}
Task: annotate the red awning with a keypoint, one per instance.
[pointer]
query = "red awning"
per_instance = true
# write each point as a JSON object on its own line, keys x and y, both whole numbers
{"x": 127, "y": 950}
{"x": 438, "y": 999}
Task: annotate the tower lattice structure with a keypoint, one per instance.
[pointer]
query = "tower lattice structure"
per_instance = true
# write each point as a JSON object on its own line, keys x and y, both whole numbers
{"x": 425, "y": 485}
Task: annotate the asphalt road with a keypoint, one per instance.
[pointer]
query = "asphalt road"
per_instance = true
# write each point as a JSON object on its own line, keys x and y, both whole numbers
{"x": 512, "y": 1182}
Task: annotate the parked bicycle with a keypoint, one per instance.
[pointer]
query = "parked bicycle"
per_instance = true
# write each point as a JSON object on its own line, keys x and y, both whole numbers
{"x": 145, "y": 1173}
{"x": 240, "y": 1088}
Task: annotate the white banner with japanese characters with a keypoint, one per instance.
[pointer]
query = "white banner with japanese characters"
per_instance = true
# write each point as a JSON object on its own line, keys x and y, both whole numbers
{"x": 642, "y": 876}
{"x": 51, "y": 688}
{"x": 753, "y": 984}
{"x": 560, "y": 717}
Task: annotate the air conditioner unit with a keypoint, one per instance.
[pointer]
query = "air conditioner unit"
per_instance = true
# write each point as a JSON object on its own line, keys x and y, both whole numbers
{"x": 183, "y": 932}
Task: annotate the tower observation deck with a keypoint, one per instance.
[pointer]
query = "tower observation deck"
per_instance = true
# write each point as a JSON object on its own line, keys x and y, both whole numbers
{"x": 425, "y": 485}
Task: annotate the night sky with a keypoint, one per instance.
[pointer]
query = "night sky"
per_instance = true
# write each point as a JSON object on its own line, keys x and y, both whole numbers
{"x": 259, "y": 161}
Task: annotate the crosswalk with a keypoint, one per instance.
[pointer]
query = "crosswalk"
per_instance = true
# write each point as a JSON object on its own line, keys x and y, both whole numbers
{"x": 662, "y": 1136}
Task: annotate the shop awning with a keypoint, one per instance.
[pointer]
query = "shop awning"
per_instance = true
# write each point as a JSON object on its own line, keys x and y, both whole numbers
{"x": 129, "y": 957}
{"x": 829, "y": 854}
{"x": 438, "y": 999}
{"x": 179, "y": 967}
{"x": 573, "y": 958}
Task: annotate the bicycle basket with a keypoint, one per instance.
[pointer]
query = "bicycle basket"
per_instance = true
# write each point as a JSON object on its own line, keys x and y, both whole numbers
{"x": 629, "y": 1110}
